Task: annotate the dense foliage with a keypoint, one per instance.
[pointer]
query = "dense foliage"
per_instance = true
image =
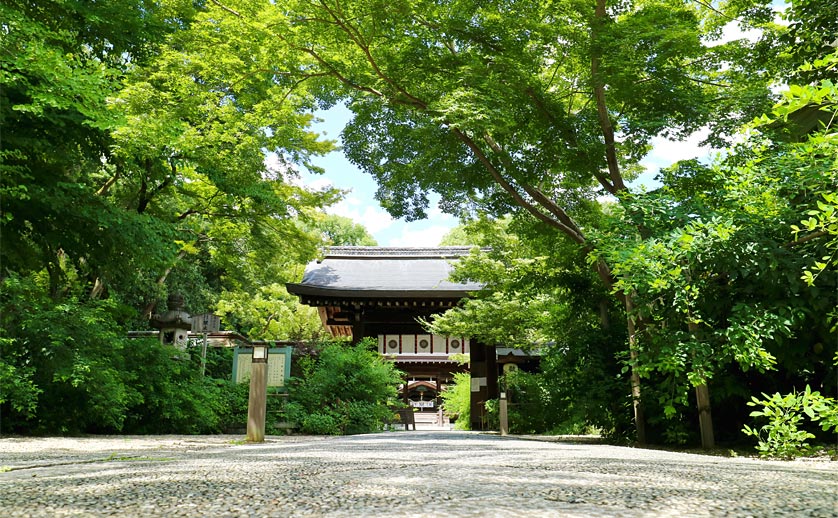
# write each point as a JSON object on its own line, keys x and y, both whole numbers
{"x": 344, "y": 390}
{"x": 152, "y": 147}
{"x": 69, "y": 369}
{"x": 731, "y": 275}
{"x": 457, "y": 401}
{"x": 541, "y": 297}
{"x": 145, "y": 150}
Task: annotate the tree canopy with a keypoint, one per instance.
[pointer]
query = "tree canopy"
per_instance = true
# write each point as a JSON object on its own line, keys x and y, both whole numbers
{"x": 134, "y": 163}
{"x": 151, "y": 147}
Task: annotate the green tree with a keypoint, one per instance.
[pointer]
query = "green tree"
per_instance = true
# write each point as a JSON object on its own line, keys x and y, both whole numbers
{"x": 265, "y": 309}
{"x": 153, "y": 142}
{"x": 718, "y": 282}
{"x": 339, "y": 230}
{"x": 60, "y": 62}
{"x": 539, "y": 296}
{"x": 457, "y": 400}
{"x": 134, "y": 141}
{"x": 811, "y": 36}
{"x": 428, "y": 73}
{"x": 195, "y": 129}
{"x": 69, "y": 368}
{"x": 270, "y": 313}
{"x": 523, "y": 107}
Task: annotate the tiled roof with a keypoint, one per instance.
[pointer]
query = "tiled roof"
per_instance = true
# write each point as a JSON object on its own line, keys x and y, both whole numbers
{"x": 384, "y": 272}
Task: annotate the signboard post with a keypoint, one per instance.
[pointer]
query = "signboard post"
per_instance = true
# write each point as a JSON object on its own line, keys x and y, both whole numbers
{"x": 205, "y": 323}
{"x": 257, "y": 398}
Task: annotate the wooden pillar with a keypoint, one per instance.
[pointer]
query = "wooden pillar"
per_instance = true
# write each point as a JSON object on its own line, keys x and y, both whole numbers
{"x": 257, "y": 402}
{"x": 504, "y": 415}
{"x": 358, "y": 332}
{"x": 484, "y": 381}
{"x": 438, "y": 399}
{"x": 491, "y": 372}
{"x": 636, "y": 401}
{"x": 477, "y": 370}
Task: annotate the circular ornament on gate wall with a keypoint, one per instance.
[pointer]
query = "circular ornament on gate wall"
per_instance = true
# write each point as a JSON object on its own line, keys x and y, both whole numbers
{"x": 423, "y": 344}
{"x": 392, "y": 344}
{"x": 455, "y": 344}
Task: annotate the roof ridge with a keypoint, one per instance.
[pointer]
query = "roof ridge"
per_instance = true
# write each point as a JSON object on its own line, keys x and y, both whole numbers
{"x": 394, "y": 251}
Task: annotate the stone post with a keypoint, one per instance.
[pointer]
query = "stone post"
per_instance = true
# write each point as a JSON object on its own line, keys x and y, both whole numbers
{"x": 504, "y": 415}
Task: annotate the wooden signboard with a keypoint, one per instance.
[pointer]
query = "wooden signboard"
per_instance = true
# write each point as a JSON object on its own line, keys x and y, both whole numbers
{"x": 279, "y": 365}
{"x": 206, "y": 323}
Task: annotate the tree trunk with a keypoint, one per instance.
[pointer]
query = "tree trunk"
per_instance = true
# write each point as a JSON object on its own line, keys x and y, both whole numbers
{"x": 702, "y": 398}
{"x": 705, "y": 419}
{"x": 98, "y": 289}
{"x": 637, "y": 403}
{"x": 149, "y": 308}
{"x": 616, "y": 183}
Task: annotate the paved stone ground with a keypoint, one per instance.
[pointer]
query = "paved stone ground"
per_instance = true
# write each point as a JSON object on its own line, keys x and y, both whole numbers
{"x": 404, "y": 474}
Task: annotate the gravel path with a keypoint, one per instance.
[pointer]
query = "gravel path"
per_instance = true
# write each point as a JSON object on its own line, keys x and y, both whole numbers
{"x": 396, "y": 474}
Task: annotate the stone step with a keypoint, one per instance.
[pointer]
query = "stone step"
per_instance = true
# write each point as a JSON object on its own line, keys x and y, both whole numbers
{"x": 429, "y": 418}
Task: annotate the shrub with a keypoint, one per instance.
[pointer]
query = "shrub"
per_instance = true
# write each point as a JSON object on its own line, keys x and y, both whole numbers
{"x": 782, "y": 436}
{"x": 68, "y": 367}
{"x": 346, "y": 389}
{"x": 457, "y": 401}
{"x": 320, "y": 423}
{"x": 63, "y": 365}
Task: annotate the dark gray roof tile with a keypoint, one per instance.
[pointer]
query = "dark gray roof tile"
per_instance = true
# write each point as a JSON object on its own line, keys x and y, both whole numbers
{"x": 383, "y": 271}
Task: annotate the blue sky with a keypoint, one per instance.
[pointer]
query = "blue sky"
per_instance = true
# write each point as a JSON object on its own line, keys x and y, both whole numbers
{"x": 360, "y": 204}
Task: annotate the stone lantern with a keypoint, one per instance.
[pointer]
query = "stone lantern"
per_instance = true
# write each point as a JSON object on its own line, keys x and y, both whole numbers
{"x": 174, "y": 324}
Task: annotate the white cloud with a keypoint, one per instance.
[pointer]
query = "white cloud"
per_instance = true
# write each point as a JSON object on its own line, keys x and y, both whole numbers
{"x": 374, "y": 218}
{"x": 319, "y": 184}
{"x": 278, "y": 168}
{"x": 732, "y": 32}
{"x": 666, "y": 152}
{"x": 435, "y": 214}
{"x": 272, "y": 161}
{"x": 425, "y": 237}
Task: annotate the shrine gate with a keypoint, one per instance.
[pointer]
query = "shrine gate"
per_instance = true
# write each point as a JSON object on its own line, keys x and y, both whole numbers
{"x": 380, "y": 292}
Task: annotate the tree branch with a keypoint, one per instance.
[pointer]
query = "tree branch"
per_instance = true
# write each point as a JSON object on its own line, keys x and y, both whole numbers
{"x": 807, "y": 238}
{"x": 709, "y": 6}
{"x": 334, "y": 73}
{"x": 359, "y": 41}
{"x": 112, "y": 180}
{"x": 556, "y": 210}
{"x": 509, "y": 188}
{"x": 705, "y": 82}
{"x": 225, "y": 8}
{"x": 602, "y": 108}
{"x": 160, "y": 281}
